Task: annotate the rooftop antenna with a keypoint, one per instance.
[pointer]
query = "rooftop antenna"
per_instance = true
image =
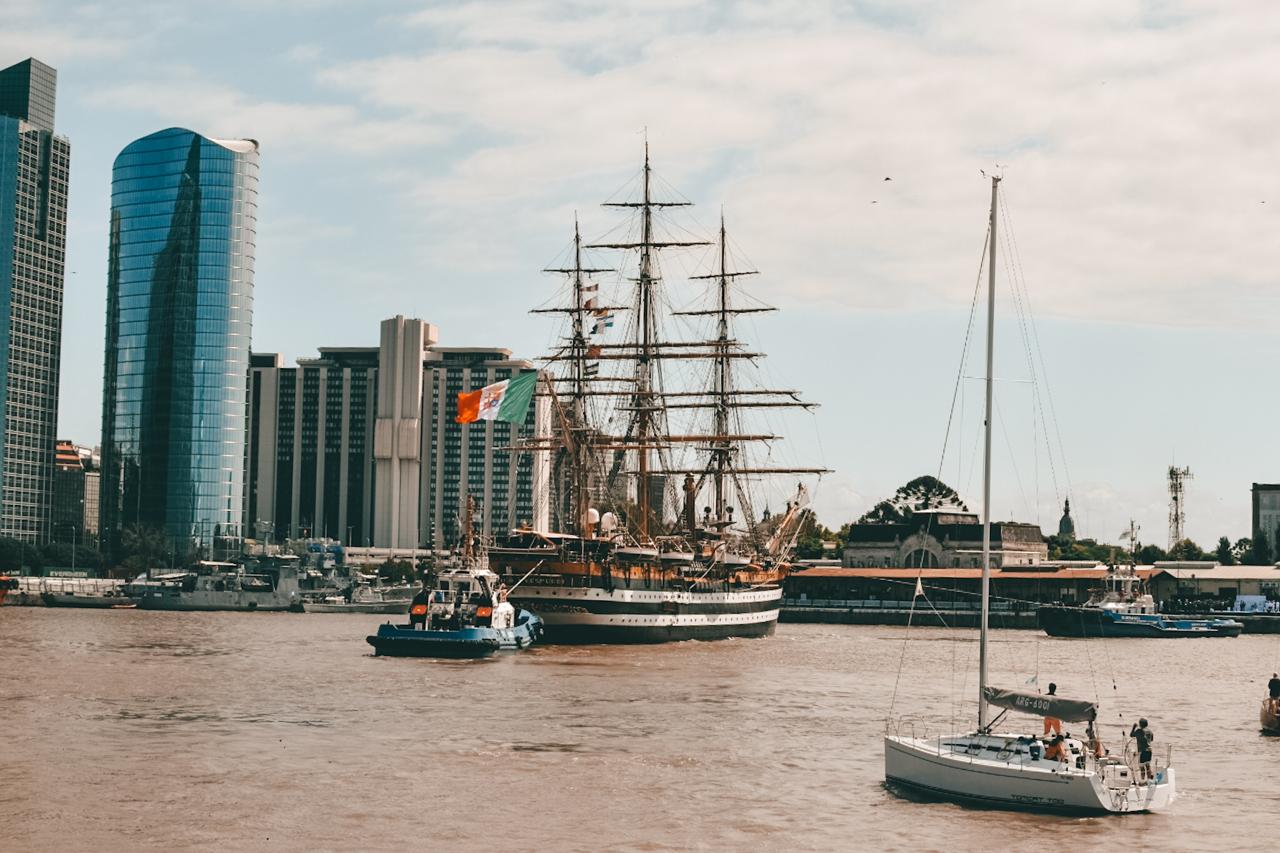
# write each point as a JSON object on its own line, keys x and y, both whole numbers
{"x": 1177, "y": 491}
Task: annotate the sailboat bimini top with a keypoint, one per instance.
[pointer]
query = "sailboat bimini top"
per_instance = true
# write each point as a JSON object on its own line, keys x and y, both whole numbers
{"x": 1071, "y": 710}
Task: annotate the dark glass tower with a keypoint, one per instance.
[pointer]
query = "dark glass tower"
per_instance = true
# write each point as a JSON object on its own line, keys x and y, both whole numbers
{"x": 34, "y": 166}
{"x": 179, "y": 313}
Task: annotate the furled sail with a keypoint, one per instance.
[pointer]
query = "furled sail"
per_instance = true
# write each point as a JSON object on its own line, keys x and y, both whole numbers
{"x": 1071, "y": 710}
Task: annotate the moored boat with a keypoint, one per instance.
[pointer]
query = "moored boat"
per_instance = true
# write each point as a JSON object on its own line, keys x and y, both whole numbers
{"x": 221, "y": 586}
{"x": 1269, "y": 716}
{"x": 362, "y": 598}
{"x": 108, "y": 600}
{"x": 1123, "y": 608}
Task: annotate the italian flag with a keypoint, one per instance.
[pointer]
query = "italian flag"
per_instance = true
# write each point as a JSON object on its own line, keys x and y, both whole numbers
{"x": 507, "y": 400}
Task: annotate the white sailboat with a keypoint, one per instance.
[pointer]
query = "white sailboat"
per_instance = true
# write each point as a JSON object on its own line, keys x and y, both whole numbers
{"x": 1016, "y": 769}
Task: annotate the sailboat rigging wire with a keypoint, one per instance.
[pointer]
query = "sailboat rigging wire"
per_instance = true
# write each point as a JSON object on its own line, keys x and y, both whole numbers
{"x": 964, "y": 352}
{"x": 1035, "y": 337}
{"x": 1013, "y": 460}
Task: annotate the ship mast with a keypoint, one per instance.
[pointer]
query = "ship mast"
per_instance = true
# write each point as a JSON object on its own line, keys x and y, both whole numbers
{"x": 645, "y": 345}
{"x": 575, "y": 424}
{"x": 724, "y": 398}
{"x": 720, "y": 447}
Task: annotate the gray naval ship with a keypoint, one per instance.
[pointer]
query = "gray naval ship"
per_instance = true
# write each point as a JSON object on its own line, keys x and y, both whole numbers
{"x": 270, "y": 585}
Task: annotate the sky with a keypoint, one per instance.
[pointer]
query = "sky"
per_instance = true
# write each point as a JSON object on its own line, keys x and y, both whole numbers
{"x": 427, "y": 159}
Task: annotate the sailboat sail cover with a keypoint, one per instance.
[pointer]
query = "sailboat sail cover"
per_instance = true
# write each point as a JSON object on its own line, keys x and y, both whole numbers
{"x": 1071, "y": 710}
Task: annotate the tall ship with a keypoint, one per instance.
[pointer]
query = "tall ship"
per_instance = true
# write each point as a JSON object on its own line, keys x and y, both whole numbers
{"x": 660, "y": 528}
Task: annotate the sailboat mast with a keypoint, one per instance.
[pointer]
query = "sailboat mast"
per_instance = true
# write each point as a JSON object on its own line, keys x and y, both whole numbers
{"x": 986, "y": 466}
{"x": 722, "y": 383}
{"x": 644, "y": 339}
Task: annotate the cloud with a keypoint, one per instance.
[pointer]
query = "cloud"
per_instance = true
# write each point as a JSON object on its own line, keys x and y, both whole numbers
{"x": 287, "y": 127}
{"x": 1132, "y": 143}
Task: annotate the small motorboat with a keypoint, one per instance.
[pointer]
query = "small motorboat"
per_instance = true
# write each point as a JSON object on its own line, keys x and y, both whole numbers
{"x": 1269, "y": 716}
{"x": 467, "y": 616}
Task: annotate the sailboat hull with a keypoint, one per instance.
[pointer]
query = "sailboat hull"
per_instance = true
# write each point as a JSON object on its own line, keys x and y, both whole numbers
{"x": 990, "y": 771}
{"x": 594, "y": 615}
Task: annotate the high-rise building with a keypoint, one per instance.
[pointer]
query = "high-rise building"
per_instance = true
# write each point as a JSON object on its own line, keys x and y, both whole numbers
{"x": 398, "y": 434}
{"x": 34, "y": 169}
{"x": 330, "y": 456}
{"x": 475, "y": 459}
{"x": 310, "y": 446}
{"x": 74, "y": 517}
{"x": 179, "y": 316}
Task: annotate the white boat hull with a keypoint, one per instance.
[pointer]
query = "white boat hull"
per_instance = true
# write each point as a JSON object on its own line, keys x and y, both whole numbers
{"x": 997, "y": 771}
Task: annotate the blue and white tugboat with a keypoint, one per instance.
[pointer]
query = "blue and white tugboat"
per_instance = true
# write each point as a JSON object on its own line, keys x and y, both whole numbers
{"x": 1123, "y": 608}
{"x": 465, "y": 615}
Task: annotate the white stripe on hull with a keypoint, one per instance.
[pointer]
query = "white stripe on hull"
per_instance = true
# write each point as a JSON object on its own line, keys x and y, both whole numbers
{"x": 657, "y": 620}
{"x": 556, "y": 594}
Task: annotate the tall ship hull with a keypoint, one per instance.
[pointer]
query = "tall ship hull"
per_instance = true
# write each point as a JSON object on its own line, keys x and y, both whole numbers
{"x": 651, "y": 616}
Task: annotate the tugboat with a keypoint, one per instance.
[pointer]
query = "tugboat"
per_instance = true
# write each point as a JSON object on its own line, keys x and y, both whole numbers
{"x": 465, "y": 615}
{"x": 1123, "y": 608}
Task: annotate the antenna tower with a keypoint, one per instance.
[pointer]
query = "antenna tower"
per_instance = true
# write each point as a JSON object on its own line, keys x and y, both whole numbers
{"x": 1177, "y": 490}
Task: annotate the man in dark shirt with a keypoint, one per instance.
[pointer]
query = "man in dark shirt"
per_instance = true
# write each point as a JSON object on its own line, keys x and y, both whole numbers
{"x": 1273, "y": 686}
{"x": 1143, "y": 736}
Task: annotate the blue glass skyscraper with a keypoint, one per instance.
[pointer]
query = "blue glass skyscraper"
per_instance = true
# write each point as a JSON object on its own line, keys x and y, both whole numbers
{"x": 179, "y": 314}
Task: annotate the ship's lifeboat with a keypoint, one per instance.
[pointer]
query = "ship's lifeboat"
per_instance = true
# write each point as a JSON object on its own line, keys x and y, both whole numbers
{"x": 635, "y": 554}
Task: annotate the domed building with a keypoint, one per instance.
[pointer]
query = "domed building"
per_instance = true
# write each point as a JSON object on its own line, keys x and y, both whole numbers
{"x": 945, "y": 537}
{"x": 1066, "y": 527}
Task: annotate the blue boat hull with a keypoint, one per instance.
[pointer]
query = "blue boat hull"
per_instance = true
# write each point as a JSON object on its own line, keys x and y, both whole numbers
{"x": 405, "y": 641}
{"x": 1095, "y": 622}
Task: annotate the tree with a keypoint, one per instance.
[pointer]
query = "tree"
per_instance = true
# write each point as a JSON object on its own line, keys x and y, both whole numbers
{"x": 812, "y": 535}
{"x": 1223, "y": 553}
{"x": 145, "y": 547}
{"x": 397, "y": 571}
{"x": 1186, "y": 550}
{"x": 11, "y": 552}
{"x": 921, "y": 493}
{"x": 1242, "y": 550}
{"x": 1260, "y": 552}
{"x": 1149, "y": 554}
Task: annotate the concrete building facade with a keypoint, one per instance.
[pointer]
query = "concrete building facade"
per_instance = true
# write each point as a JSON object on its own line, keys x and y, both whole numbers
{"x": 34, "y": 173}
{"x": 1266, "y": 512}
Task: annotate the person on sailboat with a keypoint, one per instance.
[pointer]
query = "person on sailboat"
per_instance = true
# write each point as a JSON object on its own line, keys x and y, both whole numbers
{"x": 1056, "y": 750}
{"x": 1052, "y": 724}
{"x": 1273, "y": 688}
{"x": 1144, "y": 736}
{"x": 1093, "y": 741}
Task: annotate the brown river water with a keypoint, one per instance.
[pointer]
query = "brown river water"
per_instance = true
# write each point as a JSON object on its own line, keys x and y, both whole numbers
{"x": 133, "y": 730}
